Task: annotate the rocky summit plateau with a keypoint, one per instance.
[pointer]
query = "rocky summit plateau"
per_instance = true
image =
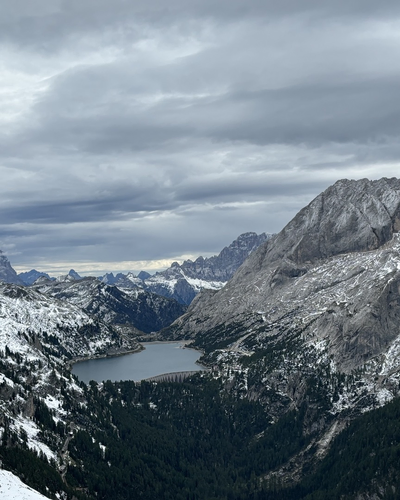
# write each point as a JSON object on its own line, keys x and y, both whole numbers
{"x": 301, "y": 398}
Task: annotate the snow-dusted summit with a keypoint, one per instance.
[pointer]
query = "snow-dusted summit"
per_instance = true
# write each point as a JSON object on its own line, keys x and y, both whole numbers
{"x": 71, "y": 276}
{"x": 183, "y": 282}
{"x": 133, "y": 308}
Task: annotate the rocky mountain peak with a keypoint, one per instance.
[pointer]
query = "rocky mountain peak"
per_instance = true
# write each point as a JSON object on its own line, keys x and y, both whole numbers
{"x": 220, "y": 267}
{"x": 108, "y": 278}
{"x": 183, "y": 282}
{"x": 143, "y": 275}
{"x": 73, "y": 274}
{"x": 7, "y": 273}
{"x": 31, "y": 276}
{"x": 349, "y": 216}
{"x": 319, "y": 269}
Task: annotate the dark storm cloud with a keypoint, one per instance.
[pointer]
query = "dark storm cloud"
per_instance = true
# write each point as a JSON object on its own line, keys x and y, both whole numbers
{"x": 243, "y": 188}
{"x": 124, "y": 202}
{"x": 357, "y": 111}
{"x": 46, "y": 22}
{"x": 151, "y": 130}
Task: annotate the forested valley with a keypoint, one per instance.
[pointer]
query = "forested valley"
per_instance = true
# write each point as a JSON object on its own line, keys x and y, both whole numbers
{"x": 195, "y": 440}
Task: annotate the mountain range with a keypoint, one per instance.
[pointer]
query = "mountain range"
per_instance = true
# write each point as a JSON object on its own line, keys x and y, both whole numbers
{"x": 143, "y": 303}
{"x": 183, "y": 282}
{"x": 143, "y": 311}
{"x": 29, "y": 277}
{"x": 303, "y": 345}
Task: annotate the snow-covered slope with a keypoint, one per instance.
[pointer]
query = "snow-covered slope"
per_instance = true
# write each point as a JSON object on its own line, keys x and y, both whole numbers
{"x": 39, "y": 336}
{"x": 176, "y": 284}
{"x": 28, "y": 317}
{"x": 12, "y": 488}
{"x": 132, "y": 307}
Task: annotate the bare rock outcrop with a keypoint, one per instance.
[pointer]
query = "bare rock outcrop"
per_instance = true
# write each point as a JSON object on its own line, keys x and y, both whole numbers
{"x": 334, "y": 270}
{"x": 7, "y": 273}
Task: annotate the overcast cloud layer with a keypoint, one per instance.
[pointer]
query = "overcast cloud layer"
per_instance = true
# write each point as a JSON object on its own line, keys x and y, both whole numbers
{"x": 134, "y": 133}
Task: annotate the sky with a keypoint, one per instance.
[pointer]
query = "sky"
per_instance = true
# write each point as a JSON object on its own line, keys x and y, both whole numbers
{"x": 137, "y": 133}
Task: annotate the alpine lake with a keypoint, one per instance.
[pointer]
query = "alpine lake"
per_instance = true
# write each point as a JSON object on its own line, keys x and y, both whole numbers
{"x": 157, "y": 358}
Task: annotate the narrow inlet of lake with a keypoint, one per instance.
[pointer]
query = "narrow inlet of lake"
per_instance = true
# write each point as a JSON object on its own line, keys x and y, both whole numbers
{"x": 156, "y": 359}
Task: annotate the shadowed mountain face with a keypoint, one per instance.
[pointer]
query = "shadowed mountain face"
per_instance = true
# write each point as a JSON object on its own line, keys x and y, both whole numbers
{"x": 137, "y": 308}
{"x": 7, "y": 273}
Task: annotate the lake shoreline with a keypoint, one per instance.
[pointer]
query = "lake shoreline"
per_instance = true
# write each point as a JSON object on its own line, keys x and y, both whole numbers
{"x": 124, "y": 352}
{"x": 81, "y": 359}
{"x": 157, "y": 362}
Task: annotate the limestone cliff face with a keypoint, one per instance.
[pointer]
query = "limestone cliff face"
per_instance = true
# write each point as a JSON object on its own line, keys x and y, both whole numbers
{"x": 350, "y": 216}
{"x": 336, "y": 263}
{"x": 312, "y": 317}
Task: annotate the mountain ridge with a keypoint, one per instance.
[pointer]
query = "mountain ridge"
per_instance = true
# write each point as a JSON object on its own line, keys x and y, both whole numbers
{"x": 307, "y": 239}
{"x": 138, "y": 309}
{"x": 183, "y": 282}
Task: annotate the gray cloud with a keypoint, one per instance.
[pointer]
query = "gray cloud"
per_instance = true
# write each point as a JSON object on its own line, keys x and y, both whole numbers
{"x": 146, "y": 131}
